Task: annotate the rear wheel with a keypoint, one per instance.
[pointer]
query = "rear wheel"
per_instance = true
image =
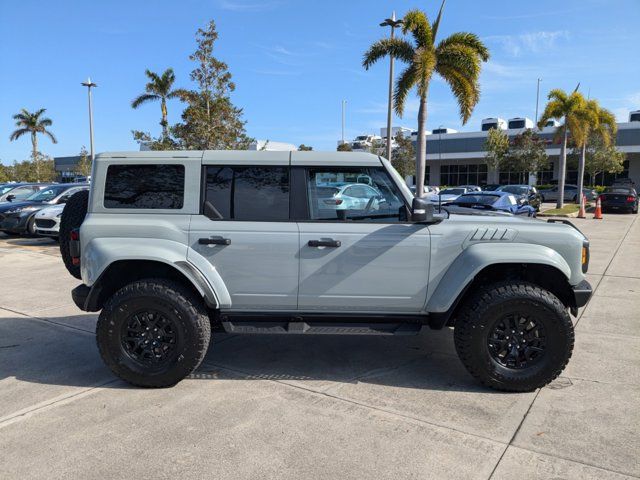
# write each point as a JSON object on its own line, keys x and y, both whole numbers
{"x": 72, "y": 217}
{"x": 153, "y": 333}
{"x": 31, "y": 227}
{"x": 514, "y": 336}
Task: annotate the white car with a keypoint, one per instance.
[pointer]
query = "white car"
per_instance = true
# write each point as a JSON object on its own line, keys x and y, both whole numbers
{"x": 447, "y": 195}
{"x": 48, "y": 220}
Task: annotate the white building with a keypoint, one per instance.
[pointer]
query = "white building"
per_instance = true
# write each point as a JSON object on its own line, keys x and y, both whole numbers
{"x": 270, "y": 145}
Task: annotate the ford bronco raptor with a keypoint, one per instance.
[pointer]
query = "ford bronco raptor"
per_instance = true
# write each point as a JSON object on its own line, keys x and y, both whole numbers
{"x": 173, "y": 245}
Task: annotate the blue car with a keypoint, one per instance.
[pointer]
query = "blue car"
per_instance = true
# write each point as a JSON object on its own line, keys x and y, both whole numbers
{"x": 495, "y": 200}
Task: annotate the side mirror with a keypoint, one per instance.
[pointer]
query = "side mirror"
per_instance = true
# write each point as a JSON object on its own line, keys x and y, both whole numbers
{"x": 421, "y": 210}
{"x": 10, "y": 198}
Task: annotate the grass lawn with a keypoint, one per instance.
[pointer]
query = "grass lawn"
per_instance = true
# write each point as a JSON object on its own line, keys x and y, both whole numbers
{"x": 568, "y": 208}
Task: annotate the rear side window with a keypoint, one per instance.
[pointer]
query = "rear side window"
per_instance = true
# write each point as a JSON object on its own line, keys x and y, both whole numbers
{"x": 249, "y": 193}
{"x": 144, "y": 186}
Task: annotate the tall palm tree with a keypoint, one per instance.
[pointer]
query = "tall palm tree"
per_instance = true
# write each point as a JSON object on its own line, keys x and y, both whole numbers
{"x": 33, "y": 123}
{"x": 572, "y": 110}
{"x": 457, "y": 59}
{"x": 159, "y": 87}
{"x": 599, "y": 122}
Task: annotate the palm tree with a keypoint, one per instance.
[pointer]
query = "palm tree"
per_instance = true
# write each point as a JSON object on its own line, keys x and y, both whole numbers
{"x": 33, "y": 123}
{"x": 158, "y": 88}
{"x": 599, "y": 122}
{"x": 457, "y": 59}
{"x": 572, "y": 109}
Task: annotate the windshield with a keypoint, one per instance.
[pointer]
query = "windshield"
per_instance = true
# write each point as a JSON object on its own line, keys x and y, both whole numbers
{"x": 5, "y": 188}
{"x": 47, "y": 194}
{"x": 452, "y": 191}
{"x": 517, "y": 189}
{"x": 477, "y": 199}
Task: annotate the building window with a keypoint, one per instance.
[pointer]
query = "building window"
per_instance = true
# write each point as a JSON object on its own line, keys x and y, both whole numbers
{"x": 467, "y": 174}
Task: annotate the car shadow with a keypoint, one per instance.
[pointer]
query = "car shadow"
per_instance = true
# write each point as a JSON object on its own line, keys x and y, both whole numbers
{"x": 46, "y": 353}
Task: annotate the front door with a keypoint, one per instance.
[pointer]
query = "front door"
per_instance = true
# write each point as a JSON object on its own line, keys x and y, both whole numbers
{"x": 358, "y": 255}
{"x": 246, "y": 234}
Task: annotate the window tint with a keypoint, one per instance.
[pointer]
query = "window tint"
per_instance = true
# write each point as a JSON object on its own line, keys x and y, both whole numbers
{"x": 249, "y": 193}
{"x": 356, "y": 194}
{"x": 144, "y": 186}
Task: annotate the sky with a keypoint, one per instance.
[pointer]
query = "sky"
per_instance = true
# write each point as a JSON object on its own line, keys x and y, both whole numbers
{"x": 294, "y": 61}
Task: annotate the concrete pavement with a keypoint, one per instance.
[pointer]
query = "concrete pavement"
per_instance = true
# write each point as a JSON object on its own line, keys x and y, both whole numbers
{"x": 315, "y": 407}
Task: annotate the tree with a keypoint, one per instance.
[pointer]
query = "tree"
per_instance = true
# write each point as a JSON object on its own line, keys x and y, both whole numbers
{"x": 403, "y": 156}
{"x": 210, "y": 121}
{"x": 526, "y": 154}
{"x": 159, "y": 87}
{"x": 572, "y": 109}
{"x": 304, "y": 148}
{"x": 33, "y": 123}
{"x": 84, "y": 164}
{"x": 41, "y": 170}
{"x": 497, "y": 147}
{"x": 6, "y": 173}
{"x": 601, "y": 157}
{"x": 597, "y": 122}
{"x": 457, "y": 59}
{"x": 145, "y": 140}
{"x": 345, "y": 147}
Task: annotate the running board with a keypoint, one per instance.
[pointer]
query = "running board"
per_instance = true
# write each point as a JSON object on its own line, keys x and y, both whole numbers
{"x": 322, "y": 328}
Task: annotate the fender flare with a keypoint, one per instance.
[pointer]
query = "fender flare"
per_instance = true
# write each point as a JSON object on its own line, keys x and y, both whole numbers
{"x": 101, "y": 254}
{"x": 480, "y": 255}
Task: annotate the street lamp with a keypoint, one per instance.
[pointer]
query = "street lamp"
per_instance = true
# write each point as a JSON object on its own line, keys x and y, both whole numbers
{"x": 393, "y": 23}
{"x": 90, "y": 84}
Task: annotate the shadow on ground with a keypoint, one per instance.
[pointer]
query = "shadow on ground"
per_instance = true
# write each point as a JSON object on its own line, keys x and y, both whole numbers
{"x": 40, "y": 352}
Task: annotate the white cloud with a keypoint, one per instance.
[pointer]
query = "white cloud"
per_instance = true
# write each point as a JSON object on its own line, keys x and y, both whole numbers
{"x": 532, "y": 42}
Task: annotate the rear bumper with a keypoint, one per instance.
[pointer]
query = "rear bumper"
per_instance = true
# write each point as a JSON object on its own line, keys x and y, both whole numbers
{"x": 581, "y": 293}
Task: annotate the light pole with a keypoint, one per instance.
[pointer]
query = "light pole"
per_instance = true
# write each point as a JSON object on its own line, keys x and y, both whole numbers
{"x": 344, "y": 106}
{"x": 537, "y": 99}
{"x": 90, "y": 84}
{"x": 393, "y": 23}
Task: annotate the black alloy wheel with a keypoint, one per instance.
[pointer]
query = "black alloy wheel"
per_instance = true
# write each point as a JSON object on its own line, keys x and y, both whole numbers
{"x": 517, "y": 341}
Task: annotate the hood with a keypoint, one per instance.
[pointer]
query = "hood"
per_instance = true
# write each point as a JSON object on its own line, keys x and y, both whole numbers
{"x": 50, "y": 212}
{"x": 435, "y": 198}
{"x": 4, "y": 206}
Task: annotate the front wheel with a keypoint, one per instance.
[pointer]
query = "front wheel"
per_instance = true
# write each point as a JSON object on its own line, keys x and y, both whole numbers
{"x": 153, "y": 333}
{"x": 514, "y": 336}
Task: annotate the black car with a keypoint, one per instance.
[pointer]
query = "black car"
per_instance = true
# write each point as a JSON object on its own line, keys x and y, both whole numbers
{"x": 17, "y": 216}
{"x": 528, "y": 192}
{"x": 619, "y": 198}
{"x": 18, "y": 191}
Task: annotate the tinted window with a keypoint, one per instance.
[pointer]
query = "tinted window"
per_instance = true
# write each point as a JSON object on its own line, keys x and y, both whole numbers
{"x": 634, "y": 117}
{"x": 249, "y": 193}
{"x": 516, "y": 124}
{"x": 363, "y": 194}
{"x": 477, "y": 199}
{"x": 144, "y": 186}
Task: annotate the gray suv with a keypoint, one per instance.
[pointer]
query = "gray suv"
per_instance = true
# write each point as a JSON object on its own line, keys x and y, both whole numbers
{"x": 174, "y": 245}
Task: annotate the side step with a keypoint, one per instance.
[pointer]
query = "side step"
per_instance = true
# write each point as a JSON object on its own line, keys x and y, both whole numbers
{"x": 321, "y": 327}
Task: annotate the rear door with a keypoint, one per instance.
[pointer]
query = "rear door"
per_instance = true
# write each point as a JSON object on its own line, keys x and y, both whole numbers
{"x": 364, "y": 258}
{"x": 244, "y": 228}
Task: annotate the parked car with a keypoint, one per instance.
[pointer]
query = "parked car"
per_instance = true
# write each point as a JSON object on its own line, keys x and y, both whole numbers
{"x": 177, "y": 242}
{"x": 570, "y": 193}
{"x": 471, "y": 188}
{"x": 504, "y": 201}
{"x": 446, "y": 195}
{"x": 47, "y": 220}
{"x": 490, "y": 187}
{"x": 527, "y": 192}
{"x": 13, "y": 192}
{"x": 619, "y": 198}
{"x": 427, "y": 189}
{"x": 17, "y": 217}
{"x": 352, "y": 196}
{"x": 624, "y": 182}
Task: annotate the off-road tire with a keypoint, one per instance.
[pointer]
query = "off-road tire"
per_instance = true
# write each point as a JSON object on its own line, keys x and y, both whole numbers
{"x": 72, "y": 217}
{"x": 484, "y": 308}
{"x": 168, "y": 298}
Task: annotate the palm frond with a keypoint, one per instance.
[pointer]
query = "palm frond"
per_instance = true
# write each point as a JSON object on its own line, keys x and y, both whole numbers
{"x": 404, "y": 84}
{"x": 51, "y": 136}
{"x": 417, "y": 23}
{"x": 468, "y": 40}
{"x": 45, "y": 122}
{"x": 436, "y": 24}
{"x": 466, "y": 91}
{"x": 462, "y": 58}
{"x": 144, "y": 98}
{"x": 398, "y": 47}
{"x": 18, "y": 133}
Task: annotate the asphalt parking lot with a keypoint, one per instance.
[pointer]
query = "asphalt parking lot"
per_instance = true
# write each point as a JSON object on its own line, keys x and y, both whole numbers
{"x": 315, "y": 407}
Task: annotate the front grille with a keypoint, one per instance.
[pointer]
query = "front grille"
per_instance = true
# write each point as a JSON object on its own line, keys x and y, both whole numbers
{"x": 45, "y": 223}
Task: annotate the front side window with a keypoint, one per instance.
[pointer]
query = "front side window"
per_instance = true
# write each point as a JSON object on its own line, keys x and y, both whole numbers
{"x": 46, "y": 194}
{"x": 248, "y": 193}
{"x": 353, "y": 194}
{"x": 144, "y": 186}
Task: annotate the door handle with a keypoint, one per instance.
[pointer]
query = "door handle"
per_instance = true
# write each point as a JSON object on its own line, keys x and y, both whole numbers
{"x": 325, "y": 243}
{"x": 214, "y": 241}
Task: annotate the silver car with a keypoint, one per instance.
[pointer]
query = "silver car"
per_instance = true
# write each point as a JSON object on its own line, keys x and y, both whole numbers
{"x": 570, "y": 193}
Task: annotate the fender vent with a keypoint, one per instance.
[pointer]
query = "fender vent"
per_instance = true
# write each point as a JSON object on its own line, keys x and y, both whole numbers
{"x": 493, "y": 235}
